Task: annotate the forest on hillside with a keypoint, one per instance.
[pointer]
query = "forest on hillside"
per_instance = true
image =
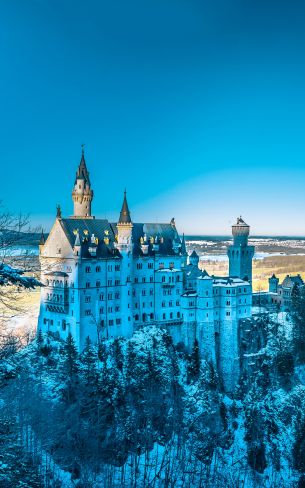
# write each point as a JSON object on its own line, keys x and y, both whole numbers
{"x": 142, "y": 412}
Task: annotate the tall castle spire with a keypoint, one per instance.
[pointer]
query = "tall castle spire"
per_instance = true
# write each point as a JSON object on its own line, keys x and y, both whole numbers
{"x": 82, "y": 194}
{"x": 124, "y": 226}
{"x": 125, "y": 214}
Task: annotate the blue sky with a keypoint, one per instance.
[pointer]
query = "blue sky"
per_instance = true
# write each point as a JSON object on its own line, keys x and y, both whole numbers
{"x": 197, "y": 107}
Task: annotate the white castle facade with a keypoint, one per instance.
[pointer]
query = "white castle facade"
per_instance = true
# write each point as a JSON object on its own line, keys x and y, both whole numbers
{"x": 105, "y": 280}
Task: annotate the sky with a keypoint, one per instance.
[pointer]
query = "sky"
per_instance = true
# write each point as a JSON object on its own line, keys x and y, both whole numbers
{"x": 196, "y": 107}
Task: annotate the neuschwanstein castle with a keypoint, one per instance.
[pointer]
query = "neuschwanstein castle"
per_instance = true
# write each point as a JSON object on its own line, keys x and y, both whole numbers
{"x": 106, "y": 279}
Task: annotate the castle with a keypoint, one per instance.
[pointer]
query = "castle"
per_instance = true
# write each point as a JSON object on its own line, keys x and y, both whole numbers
{"x": 105, "y": 279}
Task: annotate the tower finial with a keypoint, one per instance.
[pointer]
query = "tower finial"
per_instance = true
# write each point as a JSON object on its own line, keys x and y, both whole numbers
{"x": 83, "y": 150}
{"x": 58, "y": 211}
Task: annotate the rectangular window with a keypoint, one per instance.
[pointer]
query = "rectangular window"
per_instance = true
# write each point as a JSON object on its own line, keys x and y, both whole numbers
{"x": 87, "y": 312}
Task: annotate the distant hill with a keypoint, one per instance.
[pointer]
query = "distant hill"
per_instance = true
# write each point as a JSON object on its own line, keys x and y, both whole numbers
{"x": 21, "y": 238}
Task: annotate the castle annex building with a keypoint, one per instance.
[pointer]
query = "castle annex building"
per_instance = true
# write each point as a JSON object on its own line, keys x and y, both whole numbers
{"x": 106, "y": 279}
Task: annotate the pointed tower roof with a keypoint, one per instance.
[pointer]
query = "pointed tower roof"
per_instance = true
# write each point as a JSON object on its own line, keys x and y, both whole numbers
{"x": 194, "y": 254}
{"x": 42, "y": 238}
{"x": 125, "y": 214}
{"x": 183, "y": 246}
{"x": 82, "y": 171}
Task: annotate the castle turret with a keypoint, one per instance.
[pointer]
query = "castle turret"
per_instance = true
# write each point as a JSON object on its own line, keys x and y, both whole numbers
{"x": 82, "y": 194}
{"x": 183, "y": 252}
{"x": 194, "y": 258}
{"x": 273, "y": 284}
{"x": 124, "y": 226}
{"x": 125, "y": 246}
{"x": 240, "y": 253}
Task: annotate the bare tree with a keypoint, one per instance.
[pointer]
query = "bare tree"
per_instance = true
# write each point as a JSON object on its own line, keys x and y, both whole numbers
{"x": 19, "y": 271}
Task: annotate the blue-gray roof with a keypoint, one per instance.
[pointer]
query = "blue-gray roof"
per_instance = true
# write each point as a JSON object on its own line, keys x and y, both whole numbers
{"x": 103, "y": 230}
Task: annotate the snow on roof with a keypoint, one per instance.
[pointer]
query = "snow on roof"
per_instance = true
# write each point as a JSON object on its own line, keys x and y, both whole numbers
{"x": 189, "y": 294}
{"x": 168, "y": 270}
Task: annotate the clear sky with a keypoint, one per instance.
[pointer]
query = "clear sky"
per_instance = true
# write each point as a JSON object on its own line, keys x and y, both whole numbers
{"x": 197, "y": 107}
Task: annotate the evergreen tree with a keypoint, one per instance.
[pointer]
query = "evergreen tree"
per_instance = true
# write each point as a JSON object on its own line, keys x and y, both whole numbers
{"x": 69, "y": 369}
{"x": 118, "y": 353}
{"x": 298, "y": 315}
{"x": 88, "y": 359}
{"x": 194, "y": 362}
{"x": 39, "y": 340}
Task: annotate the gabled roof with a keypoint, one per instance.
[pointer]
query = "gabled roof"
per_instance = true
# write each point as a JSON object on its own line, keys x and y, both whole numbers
{"x": 290, "y": 281}
{"x": 164, "y": 232}
{"x": 101, "y": 229}
{"x": 193, "y": 272}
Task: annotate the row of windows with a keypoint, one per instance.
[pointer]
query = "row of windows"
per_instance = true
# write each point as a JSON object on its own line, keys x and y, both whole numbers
{"x": 171, "y": 279}
{"x": 136, "y": 305}
{"x": 151, "y": 265}
{"x": 57, "y": 283}
{"x": 111, "y": 322}
{"x": 110, "y": 268}
{"x": 151, "y": 279}
{"x": 239, "y": 311}
{"x": 228, "y": 292}
{"x": 54, "y": 297}
{"x": 170, "y": 304}
{"x": 98, "y": 283}
{"x": 151, "y": 316}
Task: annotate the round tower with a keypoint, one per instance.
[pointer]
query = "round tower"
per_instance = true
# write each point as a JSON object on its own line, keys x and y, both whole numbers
{"x": 240, "y": 232}
{"x": 82, "y": 194}
{"x": 273, "y": 284}
{"x": 240, "y": 254}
